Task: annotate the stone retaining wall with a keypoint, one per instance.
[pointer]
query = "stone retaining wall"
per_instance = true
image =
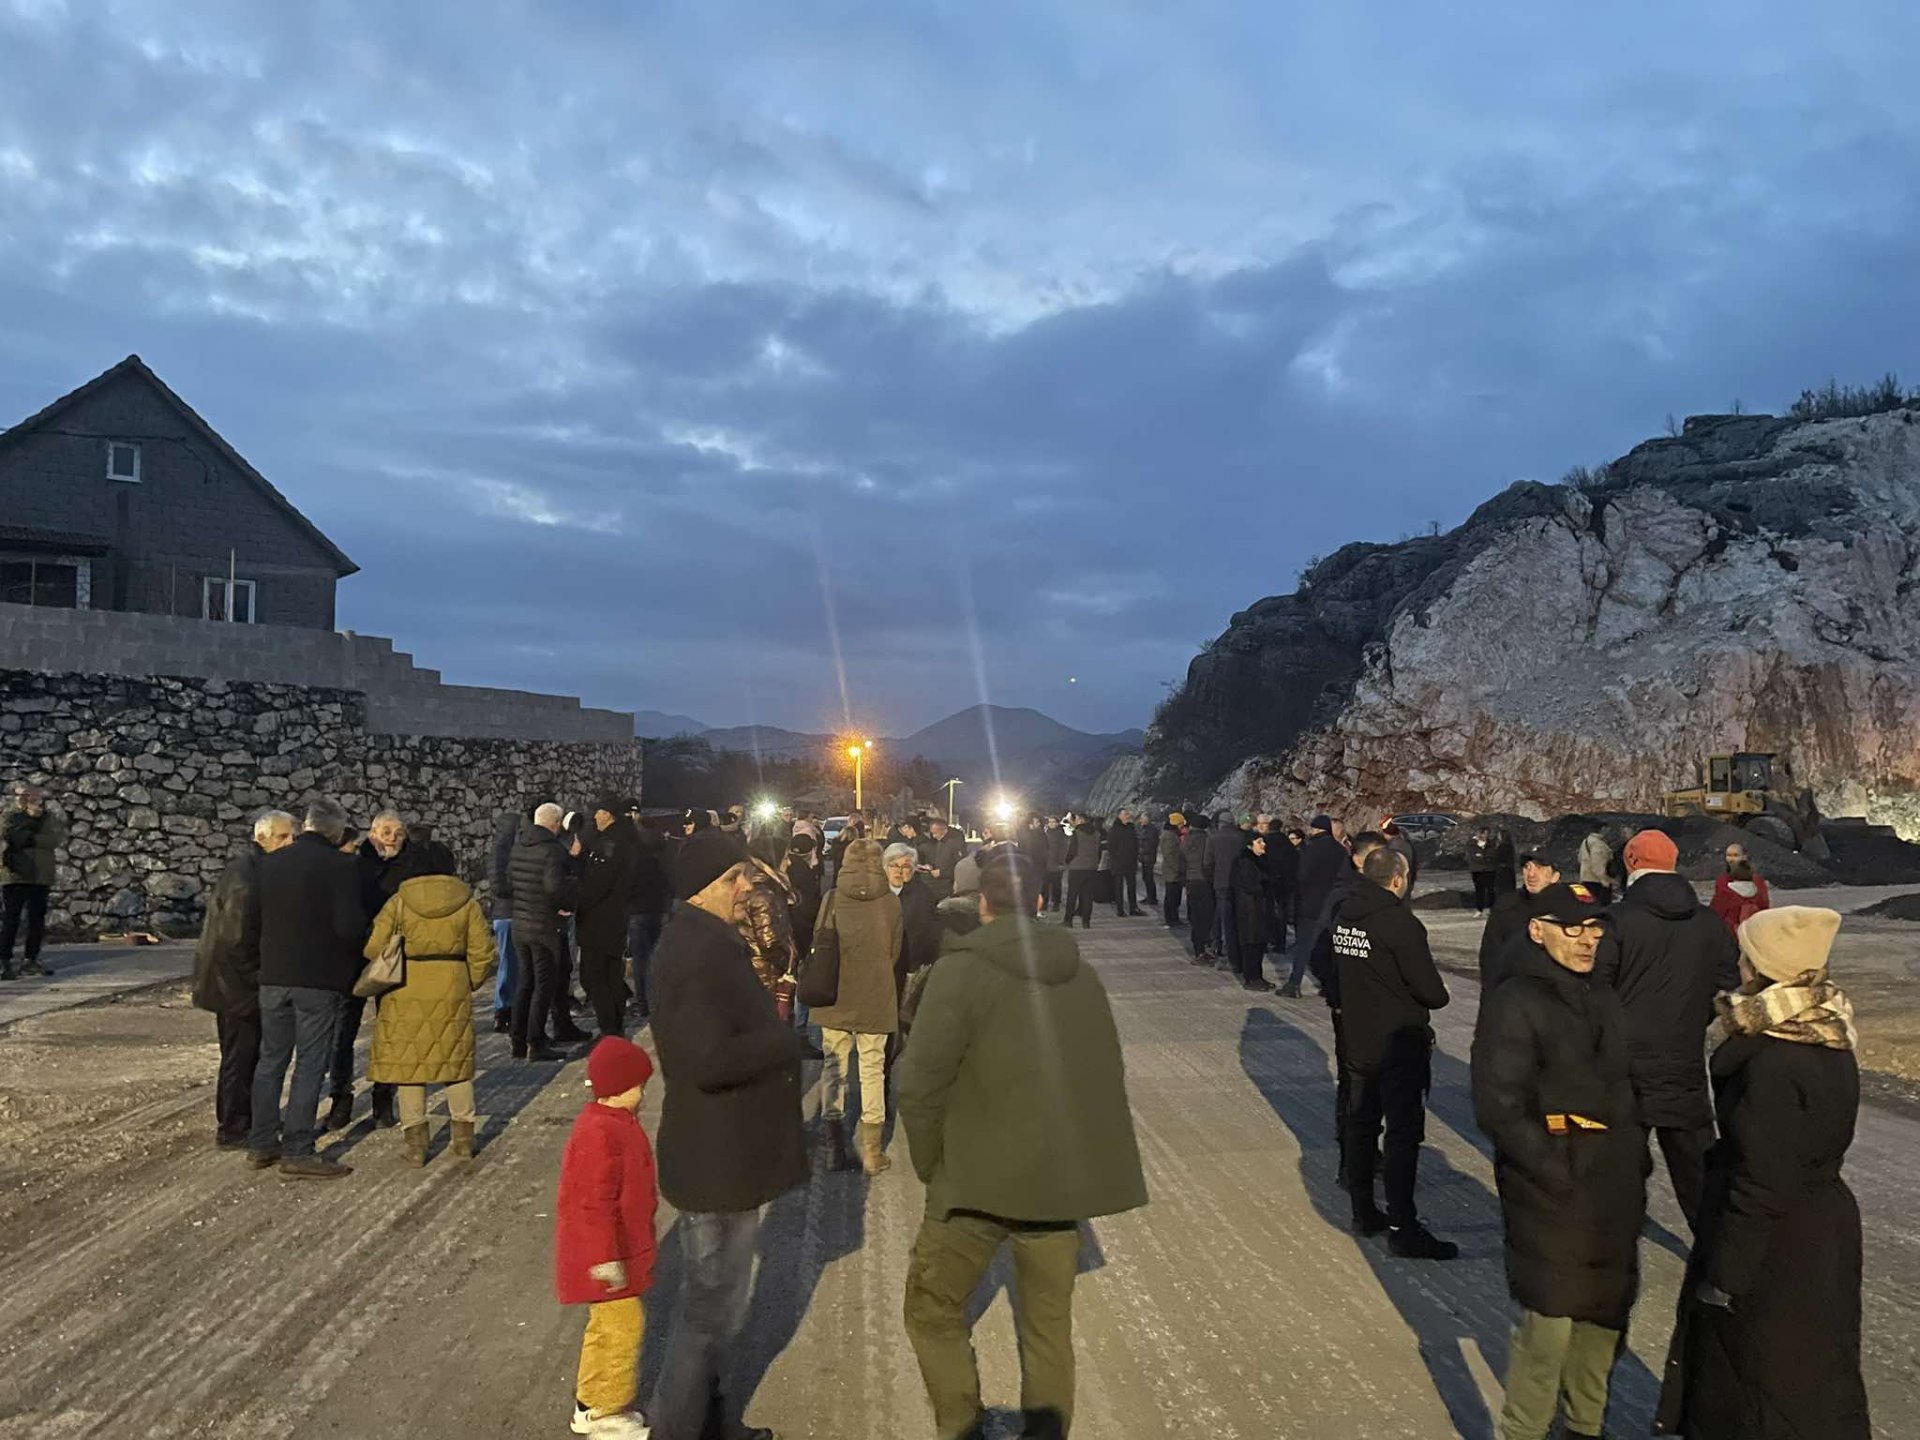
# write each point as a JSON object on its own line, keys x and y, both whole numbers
{"x": 160, "y": 777}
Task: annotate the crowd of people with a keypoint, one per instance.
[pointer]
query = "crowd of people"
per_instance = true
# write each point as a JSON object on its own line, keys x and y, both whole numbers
{"x": 1617, "y": 1013}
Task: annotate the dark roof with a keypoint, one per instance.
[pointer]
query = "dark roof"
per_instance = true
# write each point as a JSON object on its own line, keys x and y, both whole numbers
{"x": 54, "y": 542}
{"x": 134, "y": 365}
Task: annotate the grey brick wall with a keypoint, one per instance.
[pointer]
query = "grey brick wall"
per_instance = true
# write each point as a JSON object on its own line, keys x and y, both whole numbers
{"x": 190, "y": 508}
{"x": 399, "y": 697}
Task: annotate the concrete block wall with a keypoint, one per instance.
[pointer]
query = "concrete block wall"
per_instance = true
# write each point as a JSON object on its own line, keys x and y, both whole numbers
{"x": 400, "y": 697}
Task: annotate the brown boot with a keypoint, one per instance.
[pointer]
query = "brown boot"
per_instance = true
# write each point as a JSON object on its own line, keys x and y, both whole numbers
{"x": 415, "y": 1137}
{"x": 461, "y": 1146}
{"x": 873, "y": 1159}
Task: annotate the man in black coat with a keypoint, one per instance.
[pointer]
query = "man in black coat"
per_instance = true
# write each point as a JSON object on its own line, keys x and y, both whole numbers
{"x": 730, "y": 1138}
{"x": 1668, "y": 955}
{"x": 1482, "y": 858}
{"x": 1148, "y": 839}
{"x": 1326, "y": 974}
{"x": 1123, "y": 859}
{"x": 650, "y": 898}
{"x": 382, "y": 866}
{"x": 500, "y": 911}
{"x": 1196, "y": 850}
{"x": 1551, "y": 1091}
{"x": 1507, "y": 925}
{"x": 1388, "y": 991}
{"x": 1282, "y": 864}
{"x": 544, "y": 891}
{"x": 602, "y": 897}
{"x": 940, "y": 851}
{"x": 226, "y": 978}
{"x": 307, "y": 923}
{"x": 1323, "y": 859}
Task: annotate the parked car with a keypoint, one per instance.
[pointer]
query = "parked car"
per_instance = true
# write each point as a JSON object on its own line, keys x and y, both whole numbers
{"x": 831, "y": 827}
{"x": 1424, "y": 827}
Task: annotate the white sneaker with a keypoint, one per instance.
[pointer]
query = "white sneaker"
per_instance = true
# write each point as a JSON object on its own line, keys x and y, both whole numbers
{"x": 582, "y": 1419}
{"x": 622, "y": 1425}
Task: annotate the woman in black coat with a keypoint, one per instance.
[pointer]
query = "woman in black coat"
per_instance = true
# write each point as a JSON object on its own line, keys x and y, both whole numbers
{"x": 1248, "y": 882}
{"x": 1767, "y": 1346}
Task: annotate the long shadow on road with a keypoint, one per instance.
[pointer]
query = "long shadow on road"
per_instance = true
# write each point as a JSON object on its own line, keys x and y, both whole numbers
{"x": 1447, "y": 1306}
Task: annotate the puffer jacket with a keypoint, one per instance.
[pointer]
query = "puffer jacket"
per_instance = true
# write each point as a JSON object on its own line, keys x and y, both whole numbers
{"x": 865, "y": 913}
{"x": 424, "y": 1031}
{"x": 543, "y": 878}
{"x": 28, "y": 844}
{"x": 764, "y": 918}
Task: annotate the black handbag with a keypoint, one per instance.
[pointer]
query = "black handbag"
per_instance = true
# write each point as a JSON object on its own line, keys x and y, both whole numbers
{"x": 820, "y": 971}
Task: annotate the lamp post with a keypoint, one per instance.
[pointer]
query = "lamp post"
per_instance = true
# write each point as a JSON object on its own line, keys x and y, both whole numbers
{"x": 949, "y": 789}
{"x": 858, "y": 751}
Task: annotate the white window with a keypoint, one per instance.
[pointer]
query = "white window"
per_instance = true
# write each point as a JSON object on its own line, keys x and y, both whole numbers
{"x": 123, "y": 460}
{"x": 213, "y": 600}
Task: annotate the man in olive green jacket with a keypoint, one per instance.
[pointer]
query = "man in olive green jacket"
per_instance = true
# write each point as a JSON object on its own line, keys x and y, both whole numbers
{"x": 1013, "y": 1093}
{"x": 31, "y": 833}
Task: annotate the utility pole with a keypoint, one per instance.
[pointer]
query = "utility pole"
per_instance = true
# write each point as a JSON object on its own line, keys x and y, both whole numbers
{"x": 949, "y": 789}
{"x": 858, "y": 750}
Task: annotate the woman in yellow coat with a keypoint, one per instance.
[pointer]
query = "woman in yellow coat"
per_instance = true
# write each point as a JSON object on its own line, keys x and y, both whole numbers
{"x": 424, "y": 1031}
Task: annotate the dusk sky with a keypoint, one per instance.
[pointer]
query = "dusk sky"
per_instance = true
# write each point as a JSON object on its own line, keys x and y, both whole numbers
{"x": 635, "y": 350}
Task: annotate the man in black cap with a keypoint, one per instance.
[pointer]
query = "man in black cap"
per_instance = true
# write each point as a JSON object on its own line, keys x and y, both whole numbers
{"x": 1511, "y": 911}
{"x": 1388, "y": 991}
{"x": 1552, "y": 1091}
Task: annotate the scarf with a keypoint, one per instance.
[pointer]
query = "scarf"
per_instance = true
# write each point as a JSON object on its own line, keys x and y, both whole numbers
{"x": 1807, "y": 1010}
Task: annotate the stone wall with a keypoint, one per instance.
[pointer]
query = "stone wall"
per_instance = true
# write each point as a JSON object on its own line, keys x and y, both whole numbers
{"x": 160, "y": 778}
{"x": 401, "y": 697}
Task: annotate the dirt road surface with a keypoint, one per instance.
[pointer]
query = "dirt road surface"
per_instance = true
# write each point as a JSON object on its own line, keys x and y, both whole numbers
{"x": 156, "y": 1288}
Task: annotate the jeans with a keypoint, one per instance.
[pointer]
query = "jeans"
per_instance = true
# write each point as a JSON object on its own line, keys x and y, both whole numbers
{"x": 602, "y": 977}
{"x": 239, "y": 1058}
{"x": 1171, "y": 907}
{"x": 709, "y": 1314}
{"x": 539, "y": 967}
{"x": 841, "y": 1047}
{"x": 297, "y": 1027}
{"x": 1306, "y": 935}
{"x": 1686, "y": 1156}
{"x": 1200, "y": 914}
{"x": 1483, "y": 891}
{"x": 17, "y": 901}
{"x": 949, "y": 1258}
{"x": 1125, "y": 897}
{"x": 509, "y": 981}
{"x": 1394, "y": 1091}
{"x": 1050, "y": 889}
{"x": 352, "y": 1009}
{"x": 643, "y": 934}
{"x": 1226, "y": 929}
{"x": 1553, "y": 1358}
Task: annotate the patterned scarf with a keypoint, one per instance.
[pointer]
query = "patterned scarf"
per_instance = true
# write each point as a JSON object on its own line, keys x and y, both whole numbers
{"x": 1808, "y": 1010}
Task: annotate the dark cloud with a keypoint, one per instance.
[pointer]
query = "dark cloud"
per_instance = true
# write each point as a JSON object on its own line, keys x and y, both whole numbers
{"x": 623, "y": 348}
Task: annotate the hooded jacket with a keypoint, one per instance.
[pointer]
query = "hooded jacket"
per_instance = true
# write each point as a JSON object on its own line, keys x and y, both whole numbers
{"x": 1737, "y": 901}
{"x": 1550, "y": 1042}
{"x": 1013, "y": 1093}
{"x": 1596, "y": 860}
{"x": 1173, "y": 859}
{"x": 605, "y": 1207}
{"x": 542, "y": 878}
{"x": 1388, "y": 984}
{"x": 28, "y": 844}
{"x": 1667, "y": 956}
{"x": 1083, "y": 848}
{"x": 423, "y": 1034}
{"x": 866, "y": 914}
{"x": 1196, "y": 855}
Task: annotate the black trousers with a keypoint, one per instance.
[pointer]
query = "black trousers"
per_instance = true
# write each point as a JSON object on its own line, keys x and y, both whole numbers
{"x": 1170, "y": 908}
{"x": 1342, "y": 1090}
{"x": 1393, "y": 1092}
{"x": 1252, "y": 954}
{"x": 239, "y": 1056}
{"x": 534, "y": 1002}
{"x": 1200, "y": 914}
{"x": 606, "y": 987}
{"x": 1276, "y": 913}
{"x": 18, "y": 903}
{"x": 1483, "y": 892}
{"x": 1080, "y": 896}
{"x": 1126, "y": 898}
{"x": 1685, "y": 1152}
{"x": 340, "y": 1069}
{"x": 1050, "y": 889}
{"x": 1146, "y": 883}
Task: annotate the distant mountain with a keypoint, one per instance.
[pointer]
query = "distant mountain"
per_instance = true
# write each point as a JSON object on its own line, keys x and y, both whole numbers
{"x": 659, "y": 725}
{"x": 1038, "y": 757}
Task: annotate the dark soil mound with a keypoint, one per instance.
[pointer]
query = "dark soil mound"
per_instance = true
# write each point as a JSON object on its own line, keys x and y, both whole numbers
{"x": 1896, "y": 907}
{"x": 1871, "y": 855}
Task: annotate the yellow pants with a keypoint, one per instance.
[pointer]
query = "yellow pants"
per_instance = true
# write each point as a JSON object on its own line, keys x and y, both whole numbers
{"x": 610, "y": 1356}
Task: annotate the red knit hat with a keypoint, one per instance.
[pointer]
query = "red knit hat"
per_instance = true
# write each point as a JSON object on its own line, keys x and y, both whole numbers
{"x": 1652, "y": 850}
{"x": 617, "y": 1066}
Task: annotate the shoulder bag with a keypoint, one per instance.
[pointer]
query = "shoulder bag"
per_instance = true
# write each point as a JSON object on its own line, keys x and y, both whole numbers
{"x": 820, "y": 971}
{"x": 387, "y": 971}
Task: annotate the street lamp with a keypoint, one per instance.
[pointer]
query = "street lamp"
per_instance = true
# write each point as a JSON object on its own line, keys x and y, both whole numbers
{"x": 949, "y": 789}
{"x": 858, "y": 750}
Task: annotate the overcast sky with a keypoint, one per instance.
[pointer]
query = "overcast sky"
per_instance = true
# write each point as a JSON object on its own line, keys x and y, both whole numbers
{"x": 636, "y": 350}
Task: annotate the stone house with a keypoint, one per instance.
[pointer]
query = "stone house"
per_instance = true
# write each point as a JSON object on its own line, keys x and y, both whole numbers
{"x": 118, "y": 496}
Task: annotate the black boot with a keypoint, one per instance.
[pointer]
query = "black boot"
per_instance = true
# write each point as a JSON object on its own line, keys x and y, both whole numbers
{"x": 384, "y": 1117}
{"x": 1416, "y": 1242}
{"x": 340, "y": 1113}
{"x": 1368, "y": 1218}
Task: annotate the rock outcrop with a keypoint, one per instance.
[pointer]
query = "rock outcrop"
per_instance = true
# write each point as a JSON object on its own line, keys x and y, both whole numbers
{"x": 1749, "y": 584}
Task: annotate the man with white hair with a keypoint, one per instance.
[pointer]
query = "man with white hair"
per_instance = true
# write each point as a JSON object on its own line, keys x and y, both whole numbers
{"x": 226, "y": 978}
{"x": 543, "y": 893}
{"x": 381, "y": 870}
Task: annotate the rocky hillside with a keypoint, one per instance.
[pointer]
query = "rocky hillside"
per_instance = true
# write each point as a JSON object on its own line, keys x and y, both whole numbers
{"x": 1749, "y": 584}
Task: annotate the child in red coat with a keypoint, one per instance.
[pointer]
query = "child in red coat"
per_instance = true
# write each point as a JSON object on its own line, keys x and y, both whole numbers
{"x": 603, "y": 1238}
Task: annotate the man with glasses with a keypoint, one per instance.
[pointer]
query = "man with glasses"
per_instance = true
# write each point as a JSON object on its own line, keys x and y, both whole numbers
{"x": 1389, "y": 989}
{"x": 1552, "y": 1091}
